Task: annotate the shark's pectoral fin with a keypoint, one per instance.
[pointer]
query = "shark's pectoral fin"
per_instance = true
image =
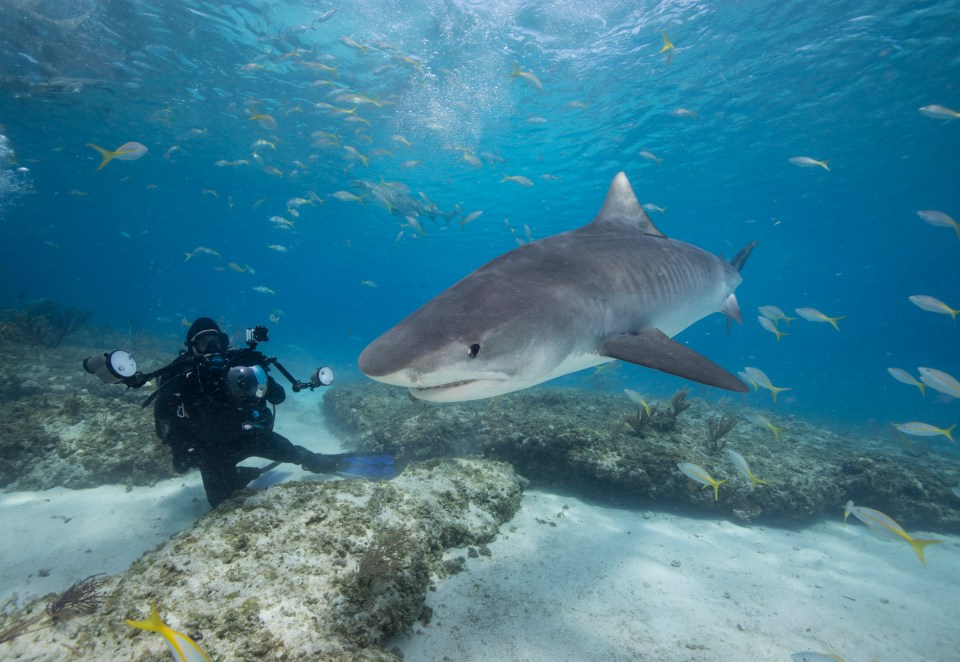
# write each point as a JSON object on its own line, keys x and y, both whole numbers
{"x": 653, "y": 349}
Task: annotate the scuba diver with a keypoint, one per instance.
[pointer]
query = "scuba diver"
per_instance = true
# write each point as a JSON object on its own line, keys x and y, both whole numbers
{"x": 212, "y": 408}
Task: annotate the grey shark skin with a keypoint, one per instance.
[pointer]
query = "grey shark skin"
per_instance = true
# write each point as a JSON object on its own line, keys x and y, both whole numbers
{"x": 616, "y": 288}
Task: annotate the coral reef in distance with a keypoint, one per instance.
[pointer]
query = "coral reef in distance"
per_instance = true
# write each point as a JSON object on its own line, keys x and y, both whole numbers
{"x": 583, "y": 441}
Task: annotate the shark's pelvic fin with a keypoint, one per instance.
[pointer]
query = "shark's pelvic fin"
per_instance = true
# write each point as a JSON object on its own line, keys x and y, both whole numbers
{"x": 622, "y": 209}
{"x": 653, "y": 349}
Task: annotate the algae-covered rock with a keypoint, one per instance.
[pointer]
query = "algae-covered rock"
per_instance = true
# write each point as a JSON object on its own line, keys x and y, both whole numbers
{"x": 299, "y": 571}
{"x": 60, "y": 426}
{"x": 583, "y": 440}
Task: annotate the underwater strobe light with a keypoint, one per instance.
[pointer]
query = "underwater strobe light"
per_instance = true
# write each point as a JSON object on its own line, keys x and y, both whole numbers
{"x": 321, "y": 377}
{"x": 111, "y": 367}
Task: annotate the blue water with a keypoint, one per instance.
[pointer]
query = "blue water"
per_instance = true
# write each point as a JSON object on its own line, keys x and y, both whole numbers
{"x": 768, "y": 81}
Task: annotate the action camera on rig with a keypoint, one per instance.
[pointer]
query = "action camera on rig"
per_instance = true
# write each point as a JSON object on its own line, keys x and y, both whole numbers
{"x": 257, "y": 334}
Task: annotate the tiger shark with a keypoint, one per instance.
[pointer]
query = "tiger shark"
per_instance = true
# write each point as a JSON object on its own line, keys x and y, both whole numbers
{"x": 616, "y": 288}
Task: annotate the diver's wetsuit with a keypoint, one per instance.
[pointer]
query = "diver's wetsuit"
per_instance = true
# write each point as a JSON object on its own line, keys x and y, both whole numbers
{"x": 207, "y": 428}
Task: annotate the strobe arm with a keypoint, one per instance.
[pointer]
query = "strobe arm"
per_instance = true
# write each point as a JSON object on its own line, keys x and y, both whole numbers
{"x": 320, "y": 377}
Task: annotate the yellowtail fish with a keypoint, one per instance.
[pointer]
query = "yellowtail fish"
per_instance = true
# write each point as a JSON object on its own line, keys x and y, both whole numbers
{"x": 940, "y": 381}
{"x": 201, "y": 250}
{"x": 809, "y": 656}
{"x": 939, "y": 219}
{"x": 807, "y": 162}
{"x": 938, "y": 112}
{"x": 346, "y": 196}
{"x": 907, "y": 378}
{"x": 918, "y": 429}
{"x": 527, "y": 76}
{"x": 264, "y": 143}
{"x": 266, "y": 121}
{"x": 746, "y": 380}
{"x": 277, "y": 247}
{"x": 774, "y": 314}
{"x": 299, "y": 202}
{"x": 368, "y": 283}
{"x": 771, "y": 327}
{"x": 649, "y": 206}
{"x": 283, "y": 223}
{"x": 762, "y": 421}
{"x": 699, "y": 474}
{"x": 744, "y": 469}
{"x": 924, "y": 302}
{"x": 263, "y": 289}
{"x": 683, "y": 112}
{"x": 761, "y": 379}
{"x": 182, "y": 647}
{"x": 881, "y": 522}
{"x": 517, "y": 179}
{"x": 649, "y": 156}
{"x": 472, "y": 216}
{"x": 667, "y": 44}
{"x": 636, "y": 398}
{"x": 814, "y": 315}
{"x": 130, "y": 151}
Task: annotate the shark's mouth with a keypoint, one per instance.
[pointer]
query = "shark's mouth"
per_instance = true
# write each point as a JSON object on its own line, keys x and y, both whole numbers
{"x": 447, "y": 385}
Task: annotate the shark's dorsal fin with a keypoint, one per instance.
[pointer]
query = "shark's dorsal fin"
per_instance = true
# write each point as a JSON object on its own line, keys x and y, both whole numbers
{"x": 622, "y": 209}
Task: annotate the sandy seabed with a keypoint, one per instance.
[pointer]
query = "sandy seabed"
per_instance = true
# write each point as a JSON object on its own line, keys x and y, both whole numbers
{"x": 567, "y": 579}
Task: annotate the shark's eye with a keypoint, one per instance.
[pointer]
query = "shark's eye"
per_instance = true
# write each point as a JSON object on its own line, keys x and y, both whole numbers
{"x": 474, "y": 350}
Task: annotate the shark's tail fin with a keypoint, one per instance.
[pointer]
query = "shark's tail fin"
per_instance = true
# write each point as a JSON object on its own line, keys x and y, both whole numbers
{"x": 740, "y": 258}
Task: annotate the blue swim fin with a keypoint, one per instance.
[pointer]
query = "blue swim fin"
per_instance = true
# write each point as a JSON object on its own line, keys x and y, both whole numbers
{"x": 375, "y": 467}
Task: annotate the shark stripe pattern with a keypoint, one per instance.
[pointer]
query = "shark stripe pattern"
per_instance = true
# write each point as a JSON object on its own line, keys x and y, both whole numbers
{"x": 616, "y": 288}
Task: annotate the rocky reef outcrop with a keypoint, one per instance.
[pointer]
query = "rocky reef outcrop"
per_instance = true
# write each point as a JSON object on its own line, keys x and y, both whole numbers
{"x": 300, "y": 571}
{"x": 597, "y": 445}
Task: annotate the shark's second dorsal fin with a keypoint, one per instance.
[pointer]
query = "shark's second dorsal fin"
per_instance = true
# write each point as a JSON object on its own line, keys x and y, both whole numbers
{"x": 622, "y": 209}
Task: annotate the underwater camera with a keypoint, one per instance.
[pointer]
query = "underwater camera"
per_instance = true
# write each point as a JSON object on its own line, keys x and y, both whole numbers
{"x": 256, "y": 335}
{"x": 111, "y": 367}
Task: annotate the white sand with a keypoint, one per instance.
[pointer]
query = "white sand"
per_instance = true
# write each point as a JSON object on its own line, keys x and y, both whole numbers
{"x": 602, "y": 584}
{"x": 610, "y": 584}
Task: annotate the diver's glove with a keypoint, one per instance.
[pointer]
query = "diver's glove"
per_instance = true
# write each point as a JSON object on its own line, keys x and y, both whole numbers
{"x": 375, "y": 467}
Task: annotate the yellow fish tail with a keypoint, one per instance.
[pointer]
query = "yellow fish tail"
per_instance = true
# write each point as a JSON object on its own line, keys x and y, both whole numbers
{"x": 923, "y": 388}
{"x": 667, "y": 44}
{"x": 948, "y": 433}
{"x": 776, "y": 389}
{"x": 919, "y": 545}
{"x": 823, "y": 164}
{"x": 152, "y": 624}
{"x": 105, "y": 153}
{"x": 754, "y": 481}
{"x": 716, "y": 488}
{"x": 183, "y": 648}
{"x": 834, "y": 320}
